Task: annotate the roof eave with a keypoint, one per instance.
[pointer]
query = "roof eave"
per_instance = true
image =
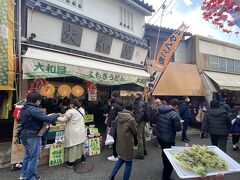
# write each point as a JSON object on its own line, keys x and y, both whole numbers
{"x": 140, "y": 8}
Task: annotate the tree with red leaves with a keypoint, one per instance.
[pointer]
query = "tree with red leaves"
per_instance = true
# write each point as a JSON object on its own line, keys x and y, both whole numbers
{"x": 225, "y": 14}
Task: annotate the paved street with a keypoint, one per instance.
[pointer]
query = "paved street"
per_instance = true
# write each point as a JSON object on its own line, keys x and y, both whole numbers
{"x": 148, "y": 169}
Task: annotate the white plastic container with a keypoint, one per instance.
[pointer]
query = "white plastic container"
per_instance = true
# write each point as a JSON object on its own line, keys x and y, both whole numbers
{"x": 184, "y": 173}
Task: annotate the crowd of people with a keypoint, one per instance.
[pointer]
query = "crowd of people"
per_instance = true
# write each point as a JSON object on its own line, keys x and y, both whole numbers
{"x": 128, "y": 119}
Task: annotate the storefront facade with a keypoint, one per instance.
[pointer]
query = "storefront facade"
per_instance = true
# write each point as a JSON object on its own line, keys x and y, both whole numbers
{"x": 68, "y": 39}
{"x": 108, "y": 51}
{"x": 74, "y": 43}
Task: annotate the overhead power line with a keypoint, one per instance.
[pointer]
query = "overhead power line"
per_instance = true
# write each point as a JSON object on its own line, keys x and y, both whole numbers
{"x": 157, "y": 11}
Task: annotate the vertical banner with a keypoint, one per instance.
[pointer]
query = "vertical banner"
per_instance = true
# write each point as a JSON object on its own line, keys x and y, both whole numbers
{"x": 6, "y": 45}
{"x": 156, "y": 67}
{"x": 169, "y": 47}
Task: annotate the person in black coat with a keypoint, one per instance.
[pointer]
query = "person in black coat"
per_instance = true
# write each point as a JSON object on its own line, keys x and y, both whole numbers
{"x": 139, "y": 112}
{"x": 185, "y": 113}
{"x": 217, "y": 122}
{"x": 168, "y": 123}
{"x": 116, "y": 106}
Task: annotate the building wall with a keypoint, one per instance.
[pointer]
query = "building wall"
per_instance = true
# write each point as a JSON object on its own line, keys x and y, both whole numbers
{"x": 107, "y": 12}
{"x": 180, "y": 55}
{"x": 48, "y": 29}
{"x": 206, "y": 47}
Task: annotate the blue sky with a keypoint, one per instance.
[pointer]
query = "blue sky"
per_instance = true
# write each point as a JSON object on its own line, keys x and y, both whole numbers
{"x": 189, "y": 12}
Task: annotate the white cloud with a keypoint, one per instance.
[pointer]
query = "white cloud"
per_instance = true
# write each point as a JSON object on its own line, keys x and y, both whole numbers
{"x": 188, "y": 2}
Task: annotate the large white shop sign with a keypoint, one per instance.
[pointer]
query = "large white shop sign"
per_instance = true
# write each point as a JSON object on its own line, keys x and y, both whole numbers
{"x": 33, "y": 69}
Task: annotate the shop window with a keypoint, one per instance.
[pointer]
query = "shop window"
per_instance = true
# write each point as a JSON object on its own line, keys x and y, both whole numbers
{"x": 126, "y": 18}
{"x": 213, "y": 62}
{"x": 230, "y": 65}
{"x": 222, "y": 64}
{"x": 237, "y": 66}
{"x": 73, "y": 3}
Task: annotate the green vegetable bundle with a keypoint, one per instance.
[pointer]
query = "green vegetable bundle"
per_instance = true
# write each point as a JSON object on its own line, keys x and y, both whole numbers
{"x": 200, "y": 159}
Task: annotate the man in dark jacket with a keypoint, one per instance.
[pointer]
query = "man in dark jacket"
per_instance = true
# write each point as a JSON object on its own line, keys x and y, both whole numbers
{"x": 185, "y": 114}
{"x": 168, "y": 123}
{"x": 217, "y": 122}
{"x": 139, "y": 111}
{"x": 32, "y": 119}
{"x": 116, "y": 106}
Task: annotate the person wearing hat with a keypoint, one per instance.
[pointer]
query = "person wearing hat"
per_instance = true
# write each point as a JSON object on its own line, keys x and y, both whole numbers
{"x": 116, "y": 106}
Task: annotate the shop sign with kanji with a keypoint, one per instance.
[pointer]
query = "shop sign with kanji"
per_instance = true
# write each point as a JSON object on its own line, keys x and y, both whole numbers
{"x": 56, "y": 156}
{"x": 49, "y": 68}
{"x": 36, "y": 68}
{"x": 105, "y": 76}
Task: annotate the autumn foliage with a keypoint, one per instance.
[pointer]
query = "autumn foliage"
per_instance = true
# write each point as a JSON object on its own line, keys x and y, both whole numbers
{"x": 221, "y": 12}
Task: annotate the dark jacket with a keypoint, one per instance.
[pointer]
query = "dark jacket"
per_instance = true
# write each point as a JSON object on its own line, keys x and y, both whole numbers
{"x": 184, "y": 110}
{"x": 235, "y": 129}
{"x": 139, "y": 110}
{"x": 32, "y": 118}
{"x": 216, "y": 121}
{"x": 126, "y": 133}
{"x": 168, "y": 123}
{"x": 116, "y": 106}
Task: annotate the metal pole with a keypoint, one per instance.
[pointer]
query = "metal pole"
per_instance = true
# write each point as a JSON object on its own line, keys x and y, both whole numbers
{"x": 19, "y": 48}
{"x": 155, "y": 52}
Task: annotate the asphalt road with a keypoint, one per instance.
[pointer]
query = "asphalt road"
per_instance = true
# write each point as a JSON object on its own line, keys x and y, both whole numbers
{"x": 148, "y": 169}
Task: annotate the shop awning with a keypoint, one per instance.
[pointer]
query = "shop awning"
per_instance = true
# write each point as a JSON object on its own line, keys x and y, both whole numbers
{"x": 50, "y": 64}
{"x": 209, "y": 86}
{"x": 225, "y": 80}
{"x": 180, "y": 80}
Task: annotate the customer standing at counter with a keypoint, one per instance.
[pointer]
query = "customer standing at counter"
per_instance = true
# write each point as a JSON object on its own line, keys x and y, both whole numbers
{"x": 32, "y": 119}
{"x": 74, "y": 136}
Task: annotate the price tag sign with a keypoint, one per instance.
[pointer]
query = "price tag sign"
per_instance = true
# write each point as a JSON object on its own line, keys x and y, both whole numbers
{"x": 89, "y": 118}
{"x": 94, "y": 146}
{"x": 93, "y": 130}
{"x": 56, "y": 156}
{"x": 59, "y": 138}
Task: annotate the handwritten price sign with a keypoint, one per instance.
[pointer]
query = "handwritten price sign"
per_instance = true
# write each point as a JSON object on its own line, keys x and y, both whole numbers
{"x": 94, "y": 146}
{"x": 56, "y": 155}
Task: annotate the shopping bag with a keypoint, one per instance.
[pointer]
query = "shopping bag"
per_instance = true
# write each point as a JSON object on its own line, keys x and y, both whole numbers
{"x": 109, "y": 140}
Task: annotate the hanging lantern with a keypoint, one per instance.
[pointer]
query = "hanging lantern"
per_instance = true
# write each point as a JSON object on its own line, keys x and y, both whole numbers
{"x": 77, "y": 91}
{"x": 47, "y": 90}
{"x": 64, "y": 90}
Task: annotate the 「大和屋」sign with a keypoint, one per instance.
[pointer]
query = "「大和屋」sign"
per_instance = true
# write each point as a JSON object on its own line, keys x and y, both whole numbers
{"x": 33, "y": 69}
{"x": 56, "y": 156}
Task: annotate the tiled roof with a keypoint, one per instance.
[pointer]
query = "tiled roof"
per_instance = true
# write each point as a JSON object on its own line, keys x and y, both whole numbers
{"x": 154, "y": 27}
{"x": 145, "y": 5}
{"x": 85, "y": 22}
